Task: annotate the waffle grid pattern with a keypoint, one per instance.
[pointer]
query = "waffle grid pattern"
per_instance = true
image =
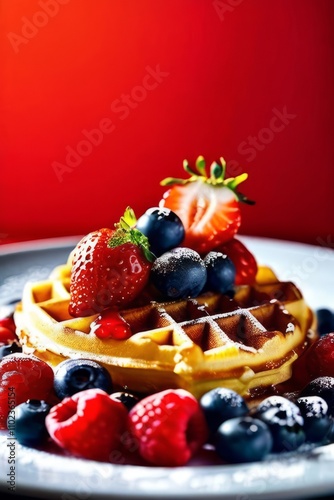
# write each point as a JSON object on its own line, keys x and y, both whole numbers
{"x": 194, "y": 343}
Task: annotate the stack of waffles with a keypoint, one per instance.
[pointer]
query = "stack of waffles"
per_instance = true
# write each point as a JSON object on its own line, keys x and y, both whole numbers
{"x": 244, "y": 343}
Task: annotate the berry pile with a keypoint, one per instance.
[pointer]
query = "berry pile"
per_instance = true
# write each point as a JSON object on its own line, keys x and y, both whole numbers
{"x": 180, "y": 248}
{"x": 78, "y": 409}
{"x": 192, "y": 234}
{"x": 149, "y": 253}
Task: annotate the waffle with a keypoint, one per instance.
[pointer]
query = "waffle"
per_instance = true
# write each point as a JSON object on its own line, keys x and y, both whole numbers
{"x": 244, "y": 343}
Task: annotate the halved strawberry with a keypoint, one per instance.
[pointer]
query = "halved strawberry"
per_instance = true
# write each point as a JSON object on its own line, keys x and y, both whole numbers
{"x": 207, "y": 206}
{"x": 109, "y": 268}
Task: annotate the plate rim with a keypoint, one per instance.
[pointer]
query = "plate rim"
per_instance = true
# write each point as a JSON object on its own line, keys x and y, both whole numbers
{"x": 38, "y": 245}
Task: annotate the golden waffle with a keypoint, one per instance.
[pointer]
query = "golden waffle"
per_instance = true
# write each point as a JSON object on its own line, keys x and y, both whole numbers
{"x": 243, "y": 343}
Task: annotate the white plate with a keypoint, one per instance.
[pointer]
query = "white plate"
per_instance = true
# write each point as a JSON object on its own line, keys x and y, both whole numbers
{"x": 54, "y": 476}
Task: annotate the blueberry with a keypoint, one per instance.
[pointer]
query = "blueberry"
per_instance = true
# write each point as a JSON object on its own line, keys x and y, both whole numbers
{"x": 325, "y": 321}
{"x": 5, "y": 350}
{"x": 163, "y": 228}
{"x": 75, "y": 375}
{"x": 179, "y": 273}
{"x": 322, "y": 387}
{"x": 243, "y": 439}
{"x": 221, "y": 404}
{"x": 29, "y": 422}
{"x": 220, "y": 272}
{"x": 317, "y": 423}
{"x": 129, "y": 400}
{"x": 284, "y": 420}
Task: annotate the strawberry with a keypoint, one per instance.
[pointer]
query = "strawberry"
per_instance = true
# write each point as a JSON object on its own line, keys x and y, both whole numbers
{"x": 244, "y": 261}
{"x": 109, "y": 268}
{"x": 207, "y": 206}
{"x": 90, "y": 424}
{"x": 169, "y": 427}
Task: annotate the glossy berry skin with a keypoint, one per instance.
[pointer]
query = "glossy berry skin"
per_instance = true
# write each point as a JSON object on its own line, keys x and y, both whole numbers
{"x": 89, "y": 424}
{"x": 163, "y": 228}
{"x": 210, "y": 214}
{"x": 243, "y": 439}
{"x": 75, "y": 375}
{"x": 284, "y": 420}
{"x": 320, "y": 357}
{"x": 23, "y": 377}
{"x": 30, "y": 429}
{"x": 317, "y": 423}
{"x": 221, "y": 404}
{"x": 103, "y": 276}
{"x": 111, "y": 325}
{"x": 179, "y": 273}
{"x": 7, "y": 330}
{"x": 220, "y": 273}
{"x": 322, "y": 387}
{"x": 129, "y": 400}
{"x": 169, "y": 427}
{"x": 244, "y": 261}
{"x": 325, "y": 321}
{"x": 206, "y": 202}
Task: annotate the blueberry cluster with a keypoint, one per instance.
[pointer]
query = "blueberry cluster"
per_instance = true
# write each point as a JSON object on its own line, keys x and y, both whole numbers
{"x": 238, "y": 433}
{"x": 71, "y": 376}
{"x": 180, "y": 272}
{"x": 275, "y": 425}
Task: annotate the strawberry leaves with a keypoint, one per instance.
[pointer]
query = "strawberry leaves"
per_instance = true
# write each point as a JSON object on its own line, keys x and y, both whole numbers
{"x": 216, "y": 178}
{"x": 125, "y": 232}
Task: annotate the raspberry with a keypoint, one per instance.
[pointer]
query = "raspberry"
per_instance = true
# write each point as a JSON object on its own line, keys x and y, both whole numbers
{"x": 169, "y": 426}
{"x": 320, "y": 358}
{"x": 22, "y": 377}
{"x": 8, "y": 322}
{"x": 89, "y": 425}
{"x": 7, "y": 330}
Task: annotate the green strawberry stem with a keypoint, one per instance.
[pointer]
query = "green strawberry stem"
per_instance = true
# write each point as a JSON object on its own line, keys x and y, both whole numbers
{"x": 126, "y": 233}
{"x": 217, "y": 177}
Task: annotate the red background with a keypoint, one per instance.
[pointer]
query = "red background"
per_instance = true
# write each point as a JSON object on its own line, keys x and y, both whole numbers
{"x": 227, "y": 68}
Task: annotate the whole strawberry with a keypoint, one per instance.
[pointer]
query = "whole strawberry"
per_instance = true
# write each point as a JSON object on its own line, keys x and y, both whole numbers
{"x": 109, "y": 268}
{"x": 207, "y": 206}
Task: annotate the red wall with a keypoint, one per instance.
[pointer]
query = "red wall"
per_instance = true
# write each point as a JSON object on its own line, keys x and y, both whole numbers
{"x": 251, "y": 80}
